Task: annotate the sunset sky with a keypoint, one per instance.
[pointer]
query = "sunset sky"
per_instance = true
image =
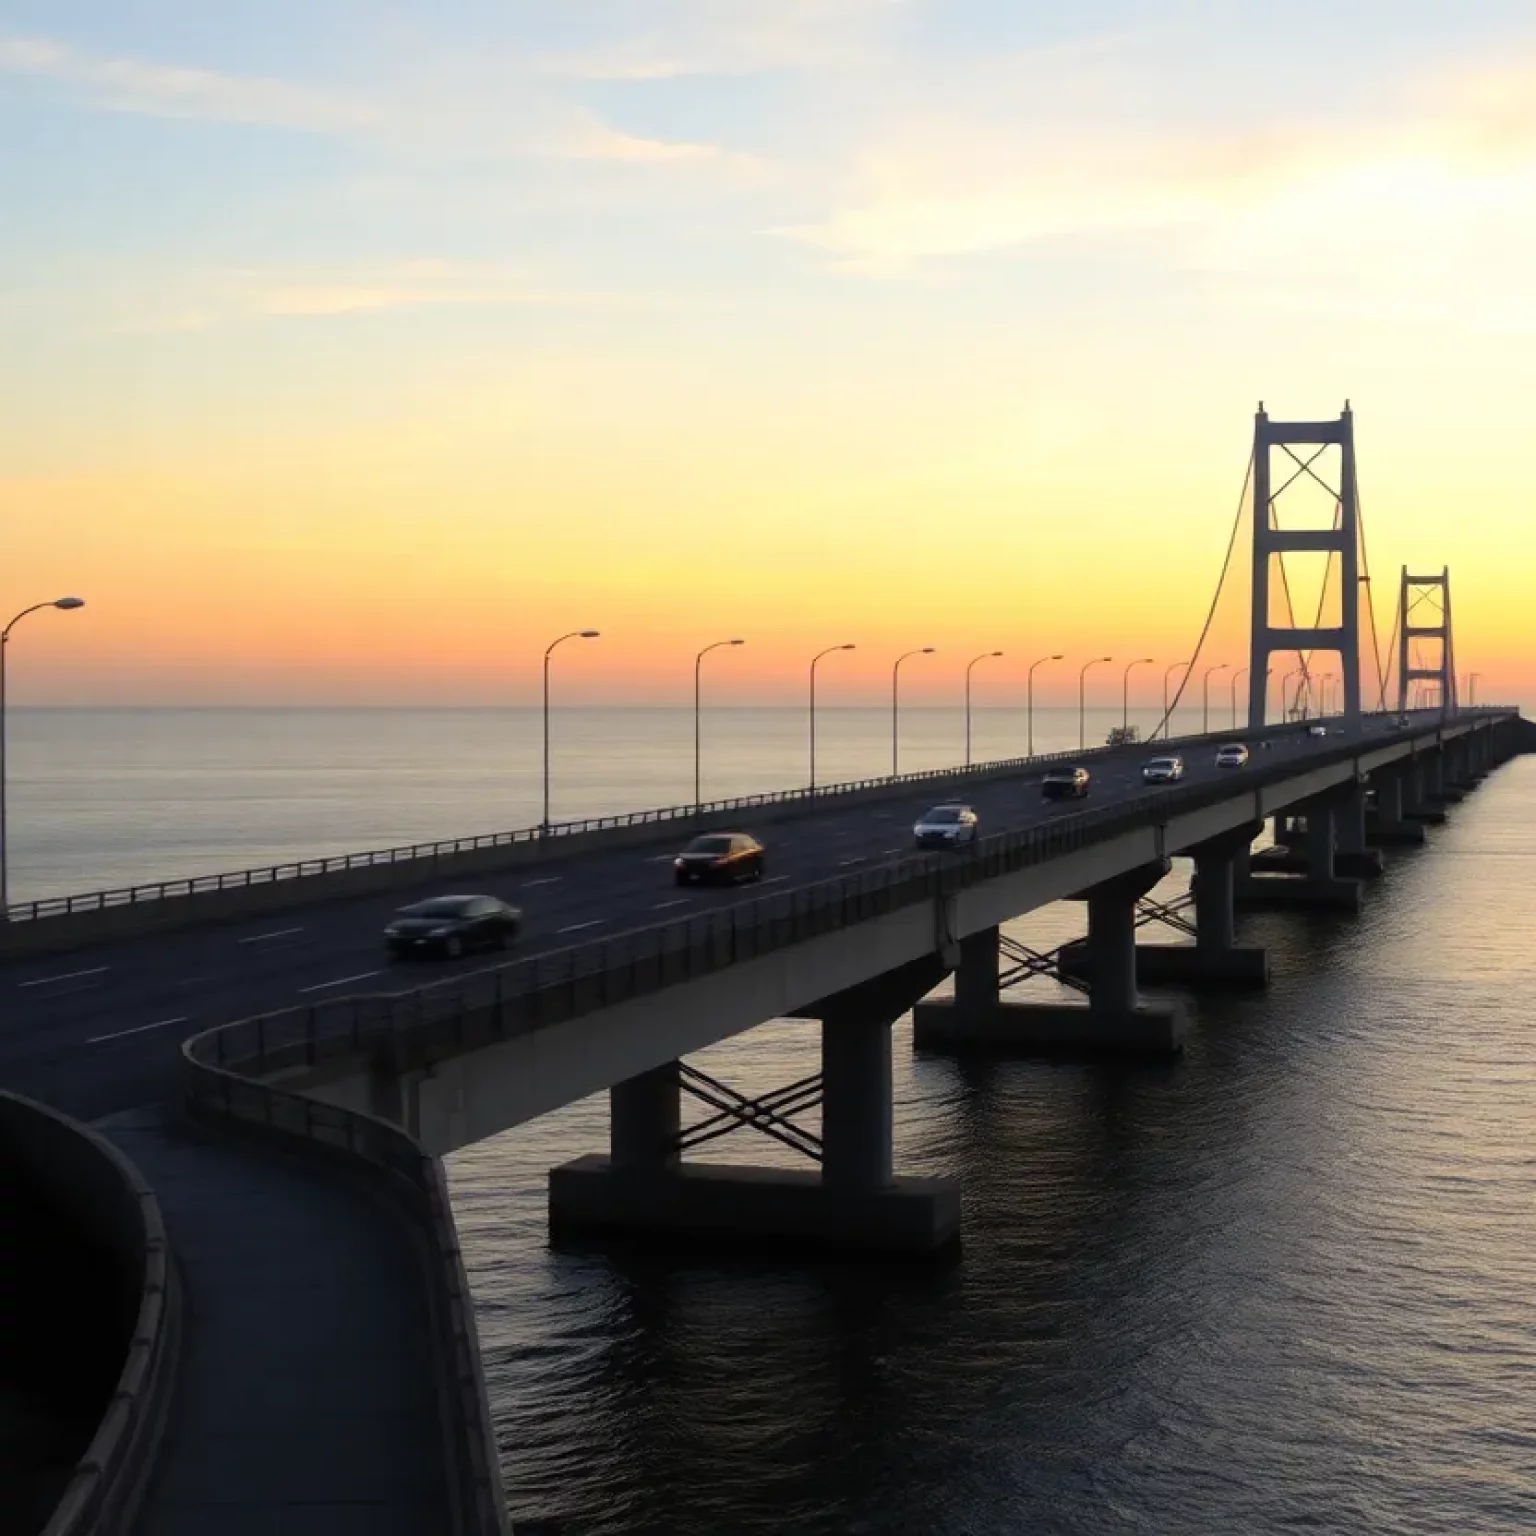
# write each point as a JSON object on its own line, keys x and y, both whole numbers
{"x": 351, "y": 351}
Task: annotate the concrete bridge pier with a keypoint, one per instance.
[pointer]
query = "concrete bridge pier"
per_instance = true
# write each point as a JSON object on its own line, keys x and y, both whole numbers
{"x": 853, "y": 1202}
{"x": 1215, "y": 959}
{"x": 1353, "y": 857}
{"x": 1417, "y": 805}
{"x": 1306, "y": 873}
{"x": 1115, "y": 1020}
{"x": 1462, "y": 774}
{"x": 1386, "y": 824}
{"x": 1438, "y": 789}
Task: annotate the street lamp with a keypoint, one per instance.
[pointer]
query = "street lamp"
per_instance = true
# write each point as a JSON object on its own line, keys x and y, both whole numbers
{"x": 1030, "y": 749}
{"x": 575, "y": 634}
{"x": 1167, "y": 714}
{"x": 985, "y": 656}
{"x": 1205, "y": 719}
{"x": 1125, "y": 690}
{"x": 1285, "y": 710}
{"x": 926, "y": 650}
{"x": 65, "y": 603}
{"x": 1241, "y": 672}
{"x": 814, "y": 659}
{"x": 1472, "y": 678}
{"x": 1322, "y": 695}
{"x": 1082, "y": 696}
{"x": 697, "y": 664}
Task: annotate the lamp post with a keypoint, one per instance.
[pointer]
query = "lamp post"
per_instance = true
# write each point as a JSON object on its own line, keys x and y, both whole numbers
{"x": 1205, "y": 718}
{"x": 1167, "y": 714}
{"x": 814, "y": 659}
{"x": 1241, "y": 672}
{"x": 66, "y": 603}
{"x": 926, "y": 650}
{"x": 1125, "y": 690}
{"x": 985, "y": 656}
{"x": 1029, "y": 750}
{"x": 1284, "y": 707}
{"x": 1472, "y": 678}
{"x": 698, "y": 662}
{"x": 1322, "y": 695}
{"x": 575, "y": 634}
{"x": 1082, "y": 700}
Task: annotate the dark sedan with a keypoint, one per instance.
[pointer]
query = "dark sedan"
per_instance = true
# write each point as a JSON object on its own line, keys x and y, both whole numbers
{"x": 452, "y": 926}
{"x": 719, "y": 858}
{"x": 1065, "y": 784}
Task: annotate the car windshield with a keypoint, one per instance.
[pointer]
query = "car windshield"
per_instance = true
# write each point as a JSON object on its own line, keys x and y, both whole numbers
{"x": 441, "y": 906}
{"x": 943, "y": 813}
{"x": 1161, "y": 762}
{"x": 709, "y": 845}
{"x": 1233, "y": 751}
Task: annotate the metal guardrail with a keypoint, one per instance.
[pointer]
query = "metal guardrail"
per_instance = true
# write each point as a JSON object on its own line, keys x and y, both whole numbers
{"x": 103, "y": 1491}
{"x": 426, "y": 853}
{"x": 498, "y": 1002}
{"x": 416, "y": 1179}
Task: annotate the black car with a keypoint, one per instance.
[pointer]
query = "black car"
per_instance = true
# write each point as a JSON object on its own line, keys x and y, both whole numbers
{"x": 1065, "y": 784}
{"x": 452, "y": 925}
{"x": 723, "y": 858}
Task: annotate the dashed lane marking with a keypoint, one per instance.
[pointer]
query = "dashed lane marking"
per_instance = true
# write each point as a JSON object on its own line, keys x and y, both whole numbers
{"x": 591, "y": 922}
{"x": 528, "y": 885}
{"x": 48, "y": 981}
{"x": 661, "y": 906}
{"x": 340, "y": 981}
{"x": 277, "y": 933}
{"x": 138, "y": 1029}
{"x": 773, "y": 880}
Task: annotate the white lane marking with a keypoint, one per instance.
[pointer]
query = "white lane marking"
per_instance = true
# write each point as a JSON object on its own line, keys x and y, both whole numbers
{"x": 844, "y": 863}
{"x": 577, "y": 927}
{"x": 138, "y": 1029}
{"x": 892, "y": 850}
{"x": 661, "y": 906}
{"x": 528, "y": 885}
{"x": 773, "y": 879}
{"x": 340, "y": 981}
{"x": 661, "y": 858}
{"x": 48, "y": 981}
{"x": 277, "y": 933}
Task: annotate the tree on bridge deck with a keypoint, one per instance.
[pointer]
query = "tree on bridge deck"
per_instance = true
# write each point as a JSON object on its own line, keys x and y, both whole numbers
{"x": 1123, "y": 736}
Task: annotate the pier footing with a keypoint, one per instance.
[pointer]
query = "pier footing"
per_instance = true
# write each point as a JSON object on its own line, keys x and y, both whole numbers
{"x": 1394, "y": 834}
{"x": 1182, "y": 965}
{"x": 781, "y": 1207}
{"x": 1049, "y": 1029}
{"x": 1261, "y": 891}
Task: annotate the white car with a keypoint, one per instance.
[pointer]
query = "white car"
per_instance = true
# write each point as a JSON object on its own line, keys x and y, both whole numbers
{"x": 945, "y": 826}
{"x": 1233, "y": 755}
{"x": 1162, "y": 770}
{"x": 1317, "y": 730}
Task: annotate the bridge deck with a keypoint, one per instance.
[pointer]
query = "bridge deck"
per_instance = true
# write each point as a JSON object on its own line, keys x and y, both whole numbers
{"x": 305, "y": 1399}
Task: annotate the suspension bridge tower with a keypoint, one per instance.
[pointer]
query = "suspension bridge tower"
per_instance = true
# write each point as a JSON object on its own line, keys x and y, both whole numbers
{"x": 1417, "y": 591}
{"x": 1270, "y": 540}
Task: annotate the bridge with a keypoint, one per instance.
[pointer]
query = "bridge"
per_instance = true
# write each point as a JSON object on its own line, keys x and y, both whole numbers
{"x": 317, "y": 1093}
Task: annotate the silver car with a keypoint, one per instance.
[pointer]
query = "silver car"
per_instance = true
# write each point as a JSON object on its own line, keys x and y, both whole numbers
{"x": 1162, "y": 770}
{"x": 945, "y": 826}
{"x": 1233, "y": 755}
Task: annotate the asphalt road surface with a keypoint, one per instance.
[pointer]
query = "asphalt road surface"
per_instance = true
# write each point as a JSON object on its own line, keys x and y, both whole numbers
{"x": 97, "y": 1030}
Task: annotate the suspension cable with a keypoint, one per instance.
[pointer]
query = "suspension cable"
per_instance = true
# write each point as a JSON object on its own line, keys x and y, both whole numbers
{"x": 1370, "y": 604}
{"x": 1210, "y": 614}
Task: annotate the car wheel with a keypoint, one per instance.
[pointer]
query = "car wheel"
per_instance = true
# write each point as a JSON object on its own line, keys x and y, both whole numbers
{"x": 453, "y": 946}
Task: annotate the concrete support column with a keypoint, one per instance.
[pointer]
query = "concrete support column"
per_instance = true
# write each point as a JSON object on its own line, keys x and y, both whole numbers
{"x": 1353, "y": 856}
{"x": 645, "y": 1118}
{"x": 1417, "y": 805}
{"x": 1432, "y": 766}
{"x": 1215, "y": 892}
{"x": 1320, "y": 840}
{"x": 856, "y": 1116}
{"x": 1387, "y": 825}
{"x": 1112, "y": 945}
{"x": 976, "y": 976}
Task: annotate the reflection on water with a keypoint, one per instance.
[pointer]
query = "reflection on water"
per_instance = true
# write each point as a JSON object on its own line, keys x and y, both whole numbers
{"x": 1286, "y": 1283}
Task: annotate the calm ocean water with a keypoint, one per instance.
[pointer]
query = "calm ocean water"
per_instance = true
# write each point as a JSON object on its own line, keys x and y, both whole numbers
{"x": 115, "y": 797}
{"x": 1285, "y": 1284}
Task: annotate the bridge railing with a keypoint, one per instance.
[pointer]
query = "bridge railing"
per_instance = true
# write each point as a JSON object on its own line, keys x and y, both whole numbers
{"x": 551, "y": 838}
{"x": 479, "y": 1007}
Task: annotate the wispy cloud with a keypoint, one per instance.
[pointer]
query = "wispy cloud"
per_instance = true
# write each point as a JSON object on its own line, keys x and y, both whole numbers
{"x": 164, "y": 90}
{"x": 513, "y": 117}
